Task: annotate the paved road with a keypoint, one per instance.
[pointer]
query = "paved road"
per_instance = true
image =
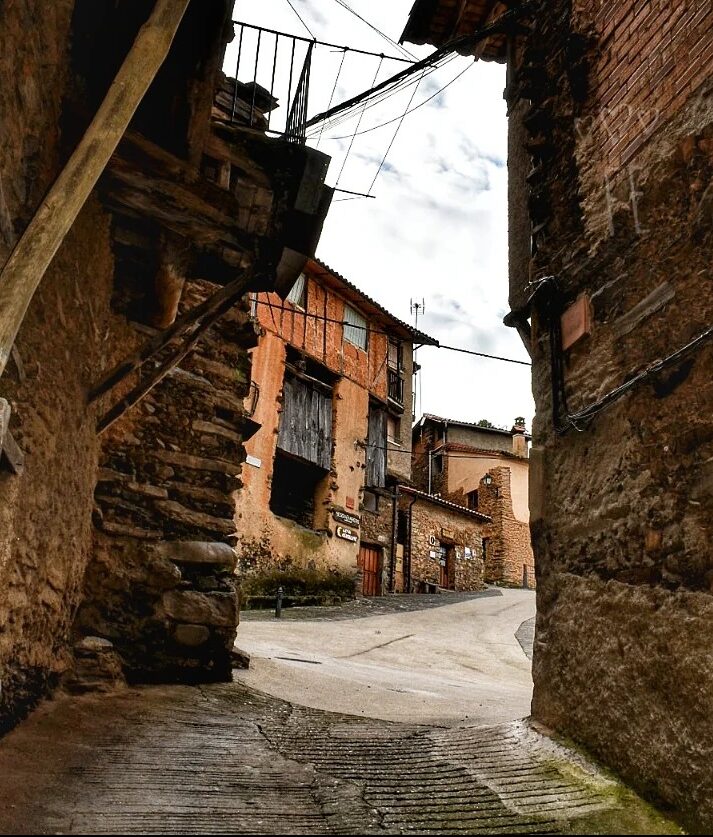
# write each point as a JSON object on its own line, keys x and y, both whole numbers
{"x": 228, "y": 759}
{"x": 441, "y": 666}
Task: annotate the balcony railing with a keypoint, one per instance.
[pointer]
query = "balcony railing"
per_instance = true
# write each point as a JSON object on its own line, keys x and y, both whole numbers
{"x": 396, "y": 387}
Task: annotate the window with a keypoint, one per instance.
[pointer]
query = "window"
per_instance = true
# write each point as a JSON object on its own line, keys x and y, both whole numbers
{"x": 402, "y": 527}
{"x": 370, "y": 501}
{"x": 294, "y": 485}
{"x": 486, "y": 549}
{"x": 393, "y": 429}
{"x": 354, "y": 328}
{"x": 376, "y": 448}
{"x": 298, "y": 295}
{"x": 472, "y": 497}
{"x": 438, "y": 463}
{"x": 395, "y": 356}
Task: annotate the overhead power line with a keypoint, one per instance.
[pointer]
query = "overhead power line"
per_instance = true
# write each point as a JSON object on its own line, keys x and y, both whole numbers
{"x": 370, "y": 330}
{"x": 378, "y": 31}
{"x": 301, "y": 19}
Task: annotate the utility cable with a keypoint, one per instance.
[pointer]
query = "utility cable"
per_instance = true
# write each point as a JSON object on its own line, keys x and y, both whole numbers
{"x": 329, "y": 105}
{"x": 419, "y": 105}
{"x": 324, "y": 319}
{"x": 361, "y": 115}
{"x": 393, "y": 138}
{"x": 301, "y": 19}
{"x": 378, "y": 31}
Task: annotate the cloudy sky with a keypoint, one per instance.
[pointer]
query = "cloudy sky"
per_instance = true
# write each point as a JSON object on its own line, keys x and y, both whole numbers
{"x": 437, "y": 228}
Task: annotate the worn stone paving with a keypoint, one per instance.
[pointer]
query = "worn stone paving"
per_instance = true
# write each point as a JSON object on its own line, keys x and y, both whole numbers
{"x": 221, "y": 759}
{"x": 371, "y": 606}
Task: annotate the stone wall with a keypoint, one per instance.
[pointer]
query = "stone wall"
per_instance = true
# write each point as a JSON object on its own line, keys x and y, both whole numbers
{"x": 509, "y": 560}
{"x": 160, "y": 585}
{"x": 432, "y": 524}
{"x": 620, "y": 130}
{"x": 45, "y": 513}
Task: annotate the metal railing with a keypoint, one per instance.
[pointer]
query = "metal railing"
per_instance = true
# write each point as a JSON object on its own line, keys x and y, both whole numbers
{"x": 396, "y": 387}
{"x": 273, "y": 72}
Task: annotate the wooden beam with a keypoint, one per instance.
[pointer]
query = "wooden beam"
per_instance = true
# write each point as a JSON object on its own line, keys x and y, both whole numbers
{"x": 31, "y": 257}
{"x": 144, "y": 387}
{"x": 122, "y": 370}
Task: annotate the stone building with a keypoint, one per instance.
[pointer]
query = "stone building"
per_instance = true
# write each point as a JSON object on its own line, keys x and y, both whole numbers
{"x": 122, "y": 415}
{"x": 331, "y": 410}
{"x": 611, "y": 245}
{"x": 435, "y": 544}
{"x": 485, "y": 469}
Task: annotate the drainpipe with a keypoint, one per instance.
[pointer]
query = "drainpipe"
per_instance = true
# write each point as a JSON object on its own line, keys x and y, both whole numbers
{"x": 394, "y": 519}
{"x": 407, "y": 564}
{"x": 430, "y": 454}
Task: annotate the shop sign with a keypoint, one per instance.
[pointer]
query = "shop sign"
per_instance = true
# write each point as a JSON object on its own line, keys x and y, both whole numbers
{"x": 347, "y": 534}
{"x": 345, "y": 517}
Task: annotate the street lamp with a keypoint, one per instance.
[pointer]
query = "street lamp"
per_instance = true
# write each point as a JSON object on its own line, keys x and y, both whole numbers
{"x": 488, "y": 480}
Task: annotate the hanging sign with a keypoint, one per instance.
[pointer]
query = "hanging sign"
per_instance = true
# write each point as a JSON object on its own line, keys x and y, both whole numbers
{"x": 347, "y": 534}
{"x": 345, "y": 517}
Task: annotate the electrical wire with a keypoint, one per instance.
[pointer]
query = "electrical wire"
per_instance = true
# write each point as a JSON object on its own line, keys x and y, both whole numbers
{"x": 361, "y": 115}
{"x": 378, "y": 31}
{"x": 329, "y": 105}
{"x": 370, "y": 330}
{"x": 419, "y": 105}
{"x": 393, "y": 138}
{"x": 301, "y": 19}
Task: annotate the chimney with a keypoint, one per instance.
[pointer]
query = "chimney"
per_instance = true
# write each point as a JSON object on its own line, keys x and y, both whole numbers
{"x": 519, "y": 438}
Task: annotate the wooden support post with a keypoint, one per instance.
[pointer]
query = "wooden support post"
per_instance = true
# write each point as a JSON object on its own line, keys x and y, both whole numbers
{"x": 31, "y": 257}
{"x": 122, "y": 370}
{"x": 144, "y": 387}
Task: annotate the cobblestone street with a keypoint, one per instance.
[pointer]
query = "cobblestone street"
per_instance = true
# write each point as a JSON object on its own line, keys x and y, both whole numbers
{"x": 228, "y": 758}
{"x": 222, "y": 759}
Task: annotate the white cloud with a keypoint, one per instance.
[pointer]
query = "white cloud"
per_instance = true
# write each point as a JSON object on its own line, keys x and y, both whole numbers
{"x": 438, "y": 226}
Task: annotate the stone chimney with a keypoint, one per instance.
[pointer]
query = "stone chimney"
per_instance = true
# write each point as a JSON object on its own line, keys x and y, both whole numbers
{"x": 519, "y": 439}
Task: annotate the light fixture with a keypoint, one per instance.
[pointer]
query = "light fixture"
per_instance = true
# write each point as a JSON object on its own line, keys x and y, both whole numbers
{"x": 488, "y": 480}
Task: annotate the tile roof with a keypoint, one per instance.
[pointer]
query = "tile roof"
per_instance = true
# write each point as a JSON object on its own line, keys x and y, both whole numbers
{"x": 442, "y": 420}
{"x": 439, "y": 501}
{"x": 349, "y": 289}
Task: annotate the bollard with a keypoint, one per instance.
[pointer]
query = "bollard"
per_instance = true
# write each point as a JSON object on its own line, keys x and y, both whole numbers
{"x": 278, "y": 603}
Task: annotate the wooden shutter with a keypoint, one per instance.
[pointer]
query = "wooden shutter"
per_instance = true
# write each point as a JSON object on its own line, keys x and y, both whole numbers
{"x": 306, "y": 423}
{"x": 376, "y": 448}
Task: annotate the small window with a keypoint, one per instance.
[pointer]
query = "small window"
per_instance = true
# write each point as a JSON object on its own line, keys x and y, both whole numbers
{"x": 486, "y": 549}
{"x": 298, "y": 295}
{"x": 393, "y": 429}
{"x": 438, "y": 463}
{"x": 472, "y": 498}
{"x": 354, "y": 328}
{"x": 370, "y": 501}
{"x": 402, "y": 529}
{"x": 395, "y": 355}
{"x": 294, "y": 485}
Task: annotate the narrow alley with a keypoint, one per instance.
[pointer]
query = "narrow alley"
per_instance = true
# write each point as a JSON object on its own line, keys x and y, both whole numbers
{"x": 229, "y": 759}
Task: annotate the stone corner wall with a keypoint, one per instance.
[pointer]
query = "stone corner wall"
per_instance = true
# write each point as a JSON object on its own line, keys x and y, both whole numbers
{"x": 619, "y": 130}
{"x": 161, "y": 584}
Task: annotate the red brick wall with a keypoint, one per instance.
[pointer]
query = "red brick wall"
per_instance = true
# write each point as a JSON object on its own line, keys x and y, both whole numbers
{"x": 651, "y": 55}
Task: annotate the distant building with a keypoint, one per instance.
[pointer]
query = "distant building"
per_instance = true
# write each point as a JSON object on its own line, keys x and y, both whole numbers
{"x": 484, "y": 469}
{"x": 331, "y": 406}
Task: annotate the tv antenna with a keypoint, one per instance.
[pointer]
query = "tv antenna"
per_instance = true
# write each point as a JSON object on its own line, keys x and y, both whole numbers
{"x": 418, "y": 308}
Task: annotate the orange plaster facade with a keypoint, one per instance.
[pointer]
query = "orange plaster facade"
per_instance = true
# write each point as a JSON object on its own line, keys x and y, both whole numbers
{"x": 315, "y": 332}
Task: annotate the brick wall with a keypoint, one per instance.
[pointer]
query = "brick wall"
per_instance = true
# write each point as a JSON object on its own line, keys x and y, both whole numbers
{"x": 621, "y": 524}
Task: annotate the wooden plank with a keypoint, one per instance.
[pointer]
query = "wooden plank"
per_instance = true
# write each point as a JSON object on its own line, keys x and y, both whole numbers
{"x": 12, "y": 455}
{"x": 648, "y": 306}
{"x": 31, "y": 257}
{"x": 5, "y": 413}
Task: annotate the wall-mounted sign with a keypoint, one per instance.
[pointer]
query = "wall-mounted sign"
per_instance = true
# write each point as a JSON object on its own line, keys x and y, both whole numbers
{"x": 347, "y": 534}
{"x": 253, "y": 460}
{"x": 468, "y": 552}
{"x": 431, "y": 554}
{"x": 432, "y": 540}
{"x": 345, "y": 517}
{"x": 447, "y": 534}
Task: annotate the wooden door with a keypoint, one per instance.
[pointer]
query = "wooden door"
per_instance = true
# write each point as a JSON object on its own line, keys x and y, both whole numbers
{"x": 370, "y": 563}
{"x": 447, "y": 562}
{"x": 443, "y": 556}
